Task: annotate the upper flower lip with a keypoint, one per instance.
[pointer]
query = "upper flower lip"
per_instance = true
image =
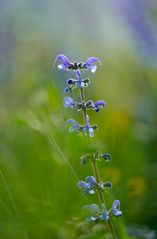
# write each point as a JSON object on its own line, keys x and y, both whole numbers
{"x": 100, "y": 103}
{"x": 64, "y": 60}
{"x": 89, "y": 64}
{"x": 73, "y": 122}
{"x": 91, "y": 60}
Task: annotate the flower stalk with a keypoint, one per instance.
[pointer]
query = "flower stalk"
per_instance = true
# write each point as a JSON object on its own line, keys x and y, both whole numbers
{"x": 92, "y": 184}
{"x": 96, "y": 174}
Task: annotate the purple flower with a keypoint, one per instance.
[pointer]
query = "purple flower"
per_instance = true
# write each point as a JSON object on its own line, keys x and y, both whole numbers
{"x": 136, "y": 14}
{"x": 97, "y": 213}
{"x": 98, "y": 104}
{"x": 88, "y": 185}
{"x": 115, "y": 210}
{"x": 79, "y": 128}
{"x": 79, "y": 83}
{"x": 88, "y": 128}
{"x": 89, "y": 64}
{"x": 91, "y": 180}
{"x": 104, "y": 215}
{"x": 69, "y": 102}
{"x": 94, "y": 208}
{"x": 95, "y": 106}
{"x": 75, "y": 126}
{"x": 65, "y": 64}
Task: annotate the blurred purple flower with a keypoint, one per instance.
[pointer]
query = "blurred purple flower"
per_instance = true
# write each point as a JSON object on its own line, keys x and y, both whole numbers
{"x": 88, "y": 185}
{"x": 134, "y": 13}
{"x": 115, "y": 210}
{"x": 97, "y": 213}
{"x": 104, "y": 215}
{"x": 69, "y": 102}
{"x": 94, "y": 208}
{"x": 87, "y": 129}
{"x": 75, "y": 126}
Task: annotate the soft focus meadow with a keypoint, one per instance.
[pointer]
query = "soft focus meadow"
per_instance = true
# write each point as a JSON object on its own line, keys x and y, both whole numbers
{"x": 39, "y": 159}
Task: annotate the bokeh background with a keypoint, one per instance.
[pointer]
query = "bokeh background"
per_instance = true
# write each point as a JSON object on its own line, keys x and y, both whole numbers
{"x": 39, "y": 159}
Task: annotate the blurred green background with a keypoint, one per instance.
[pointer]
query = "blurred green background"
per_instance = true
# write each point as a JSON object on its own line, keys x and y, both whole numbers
{"x": 39, "y": 159}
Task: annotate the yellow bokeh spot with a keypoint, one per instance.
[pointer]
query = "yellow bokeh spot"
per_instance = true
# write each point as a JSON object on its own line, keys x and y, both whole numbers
{"x": 137, "y": 186}
{"x": 120, "y": 121}
{"x": 113, "y": 174}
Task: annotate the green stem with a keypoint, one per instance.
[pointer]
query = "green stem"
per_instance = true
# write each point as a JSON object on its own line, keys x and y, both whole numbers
{"x": 96, "y": 174}
{"x": 102, "y": 200}
{"x": 83, "y": 100}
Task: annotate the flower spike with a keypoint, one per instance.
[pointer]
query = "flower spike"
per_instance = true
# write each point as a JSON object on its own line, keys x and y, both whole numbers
{"x": 91, "y": 184}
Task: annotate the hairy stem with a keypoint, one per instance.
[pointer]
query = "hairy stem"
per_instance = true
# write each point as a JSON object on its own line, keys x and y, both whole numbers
{"x": 96, "y": 173}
